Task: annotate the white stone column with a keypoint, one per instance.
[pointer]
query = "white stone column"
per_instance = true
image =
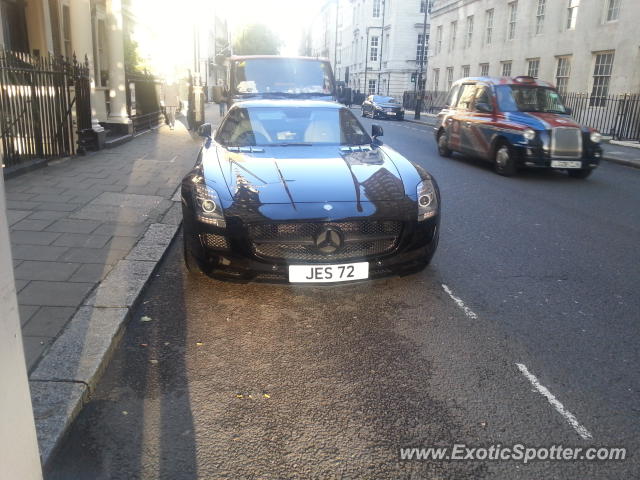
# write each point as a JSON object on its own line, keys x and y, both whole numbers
{"x": 19, "y": 457}
{"x": 117, "y": 79}
{"x": 82, "y": 43}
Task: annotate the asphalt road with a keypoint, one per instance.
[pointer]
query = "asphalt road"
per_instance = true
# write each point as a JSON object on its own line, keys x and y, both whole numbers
{"x": 523, "y": 330}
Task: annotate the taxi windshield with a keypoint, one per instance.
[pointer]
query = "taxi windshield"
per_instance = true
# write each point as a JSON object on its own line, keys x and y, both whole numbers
{"x": 519, "y": 98}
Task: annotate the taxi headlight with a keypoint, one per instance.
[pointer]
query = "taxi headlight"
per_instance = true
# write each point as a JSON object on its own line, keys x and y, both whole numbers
{"x": 529, "y": 134}
{"x": 595, "y": 137}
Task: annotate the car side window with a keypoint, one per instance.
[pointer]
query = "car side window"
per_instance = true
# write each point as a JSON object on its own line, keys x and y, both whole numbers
{"x": 452, "y": 97}
{"x": 466, "y": 96}
{"x": 483, "y": 96}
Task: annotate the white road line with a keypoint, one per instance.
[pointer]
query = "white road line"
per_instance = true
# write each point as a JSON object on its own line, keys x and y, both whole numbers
{"x": 544, "y": 391}
{"x": 467, "y": 311}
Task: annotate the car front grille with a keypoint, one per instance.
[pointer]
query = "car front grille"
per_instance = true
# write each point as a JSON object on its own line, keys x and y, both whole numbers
{"x": 299, "y": 241}
{"x": 217, "y": 242}
{"x": 566, "y": 142}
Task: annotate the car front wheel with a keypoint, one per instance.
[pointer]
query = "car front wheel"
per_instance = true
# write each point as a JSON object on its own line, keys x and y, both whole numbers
{"x": 443, "y": 148}
{"x": 582, "y": 173}
{"x": 504, "y": 161}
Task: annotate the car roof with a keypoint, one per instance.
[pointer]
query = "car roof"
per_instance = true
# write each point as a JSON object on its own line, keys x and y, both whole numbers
{"x": 288, "y": 103}
{"x": 288, "y": 57}
{"x": 519, "y": 80}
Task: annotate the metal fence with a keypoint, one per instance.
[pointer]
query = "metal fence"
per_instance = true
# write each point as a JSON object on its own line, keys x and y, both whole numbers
{"x": 37, "y": 95}
{"x": 143, "y": 100}
{"x": 617, "y": 116}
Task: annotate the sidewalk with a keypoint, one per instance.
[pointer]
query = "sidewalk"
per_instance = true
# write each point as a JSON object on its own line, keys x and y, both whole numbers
{"x": 86, "y": 235}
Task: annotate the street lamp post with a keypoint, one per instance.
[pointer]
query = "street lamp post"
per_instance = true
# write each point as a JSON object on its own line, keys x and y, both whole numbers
{"x": 423, "y": 52}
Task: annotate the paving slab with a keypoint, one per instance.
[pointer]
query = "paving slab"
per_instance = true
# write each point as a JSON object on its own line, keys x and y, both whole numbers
{"x": 48, "y": 271}
{"x": 14, "y": 216}
{"x": 29, "y": 224}
{"x": 33, "y": 348}
{"x": 37, "y": 252}
{"x": 104, "y": 256}
{"x": 91, "y": 272}
{"x": 27, "y": 312}
{"x": 33, "y": 238}
{"x": 66, "y": 225}
{"x": 54, "y": 294}
{"x": 48, "y": 321}
{"x": 82, "y": 240}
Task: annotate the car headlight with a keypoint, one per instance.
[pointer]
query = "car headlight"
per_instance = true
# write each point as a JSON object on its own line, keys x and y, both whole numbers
{"x": 595, "y": 137}
{"x": 427, "y": 200}
{"x": 378, "y": 107}
{"x": 529, "y": 134}
{"x": 207, "y": 203}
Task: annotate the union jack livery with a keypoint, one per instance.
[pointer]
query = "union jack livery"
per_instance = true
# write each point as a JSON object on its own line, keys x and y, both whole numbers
{"x": 514, "y": 123}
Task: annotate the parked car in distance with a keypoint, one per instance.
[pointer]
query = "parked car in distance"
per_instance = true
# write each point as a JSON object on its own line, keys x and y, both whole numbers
{"x": 378, "y": 106}
{"x": 297, "y": 191}
{"x": 513, "y": 123}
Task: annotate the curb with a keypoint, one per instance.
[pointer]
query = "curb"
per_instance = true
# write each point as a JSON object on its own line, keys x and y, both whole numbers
{"x": 65, "y": 378}
{"x": 622, "y": 161}
{"x": 421, "y": 122}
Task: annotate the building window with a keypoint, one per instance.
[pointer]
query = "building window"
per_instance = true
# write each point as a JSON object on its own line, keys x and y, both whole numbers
{"x": 563, "y": 70}
{"x": 66, "y": 31}
{"x": 506, "y": 69}
{"x": 601, "y": 77}
{"x": 449, "y": 78}
{"x": 466, "y": 70}
{"x": 542, "y": 4}
{"x": 372, "y": 86}
{"x": 489, "y": 27}
{"x": 452, "y": 38}
{"x": 484, "y": 69}
{"x": 423, "y": 6}
{"x": 533, "y": 65}
{"x": 373, "y": 54}
{"x": 439, "y": 39}
{"x": 436, "y": 79}
{"x": 420, "y": 47}
{"x": 513, "y": 12}
{"x": 376, "y": 8}
{"x": 469, "y": 36}
{"x": 572, "y": 14}
{"x": 385, "y": 89}
{"x": 613, "y": 10}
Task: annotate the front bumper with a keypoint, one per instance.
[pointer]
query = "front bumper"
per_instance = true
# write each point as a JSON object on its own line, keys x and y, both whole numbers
{"x": 537, "y": 158}
{"x": 389, "y": 115}
{"x": 234, "y": 258}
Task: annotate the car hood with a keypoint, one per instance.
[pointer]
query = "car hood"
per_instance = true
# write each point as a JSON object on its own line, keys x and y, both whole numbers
{"x": 389, "y": 105}
{"x": 542, "y": 121}
{"x": 302, "y": 174}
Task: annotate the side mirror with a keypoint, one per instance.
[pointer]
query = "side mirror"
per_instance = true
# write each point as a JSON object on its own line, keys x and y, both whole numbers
{"x": 376, "y": 131}
{"x": 204, "y": 130}
{"x": 484, "y": 108}
{"x": 217, "y": 93}
{"x": 568, "y": 110}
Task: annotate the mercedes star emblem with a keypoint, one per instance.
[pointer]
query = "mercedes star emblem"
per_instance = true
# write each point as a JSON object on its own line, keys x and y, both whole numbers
{"x": 328, "y": 241}
{"x": 328, "y": 207}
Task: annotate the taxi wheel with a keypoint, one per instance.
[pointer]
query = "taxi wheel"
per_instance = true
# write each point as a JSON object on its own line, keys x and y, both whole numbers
{"x": 364, "y": 114}
{"x": 583, "y": 173}
{"x": 504, "y": 161}
{"x": 443, "y": 148}
{"x": 190, "y": 260}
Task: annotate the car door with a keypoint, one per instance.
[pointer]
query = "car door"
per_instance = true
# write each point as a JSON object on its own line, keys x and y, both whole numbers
{"x": 480, "y": 130}
{"x": 459, "y": 133}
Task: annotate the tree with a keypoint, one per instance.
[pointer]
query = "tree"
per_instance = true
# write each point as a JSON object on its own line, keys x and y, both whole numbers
{"x": 256, "y": 39}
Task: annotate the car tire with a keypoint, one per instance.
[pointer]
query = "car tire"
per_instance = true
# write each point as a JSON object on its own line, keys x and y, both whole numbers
{"x": 190, "y": 261}
{"x": 582, "y": 173}
{"x": 443, "y": 148}
{"x": 364, "y": 112}
{"x": 504, "y": 162}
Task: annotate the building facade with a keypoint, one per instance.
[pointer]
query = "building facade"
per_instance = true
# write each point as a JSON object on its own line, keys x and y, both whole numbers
{"x": 375, "y": 46}
{"x": 582, "y": 46}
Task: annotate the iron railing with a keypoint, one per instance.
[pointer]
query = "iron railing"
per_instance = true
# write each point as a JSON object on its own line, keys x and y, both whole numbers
{"x": 432, "y": 102}
{"x": 143, "y": 100}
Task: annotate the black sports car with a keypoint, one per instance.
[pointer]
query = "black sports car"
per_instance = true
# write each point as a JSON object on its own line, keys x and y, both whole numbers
{"x": 298, "y": 191}
{"x": 377, "y": 106}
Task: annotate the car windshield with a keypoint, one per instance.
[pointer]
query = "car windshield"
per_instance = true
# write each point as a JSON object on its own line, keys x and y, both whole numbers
{"x": 378, "y": 99}
{"x": 285, "y": 126}
{"x": 289, "y": 76}
{"x": 517, "y": 98}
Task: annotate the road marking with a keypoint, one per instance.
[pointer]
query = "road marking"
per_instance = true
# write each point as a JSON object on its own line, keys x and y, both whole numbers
{"x": 544, "y": 391}
{"x": 467, "y": 311}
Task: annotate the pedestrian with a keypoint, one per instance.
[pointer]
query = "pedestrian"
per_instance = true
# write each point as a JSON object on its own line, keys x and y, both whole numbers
{"x": 221, "y": 105}
{"x": 171, "y": 102}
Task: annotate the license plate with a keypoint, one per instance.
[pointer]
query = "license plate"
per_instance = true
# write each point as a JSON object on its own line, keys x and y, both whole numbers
{"x": 391, "y": 113}
{"x": 328, "y": 273}
{"x": 566, "y": 164}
